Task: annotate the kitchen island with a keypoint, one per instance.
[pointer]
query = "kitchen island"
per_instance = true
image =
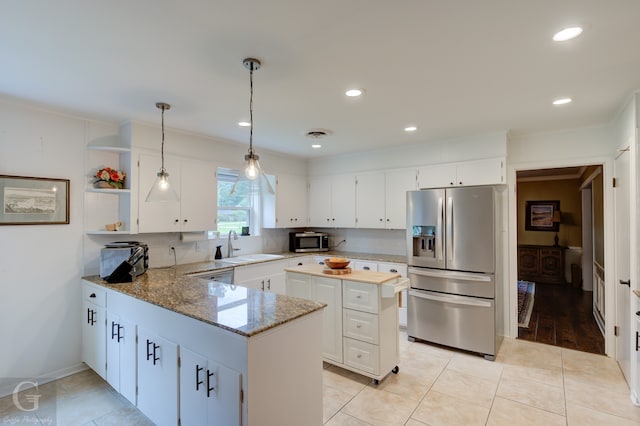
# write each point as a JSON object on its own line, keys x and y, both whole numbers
{"x": 202, "y": 352}
{"x": 360, "y": 323}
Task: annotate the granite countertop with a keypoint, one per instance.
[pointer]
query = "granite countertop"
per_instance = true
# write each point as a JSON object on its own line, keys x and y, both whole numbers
{"x": 242, "y": 310}
{"x": 637, "y": 293}
{"x": 355, "y": 275}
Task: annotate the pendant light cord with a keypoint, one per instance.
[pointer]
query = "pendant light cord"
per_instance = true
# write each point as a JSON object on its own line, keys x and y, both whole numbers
{"x": 251, "y": 110}
{"x": 162, "y": 146}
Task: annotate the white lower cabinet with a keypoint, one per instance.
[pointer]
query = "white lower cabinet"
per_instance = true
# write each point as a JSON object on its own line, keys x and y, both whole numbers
{"x": 157, "y": 378}
{"x": 267, "y": 276}
{"x": 94, "y": 330}
{"x": 210, "y": 393}
{"x": 121, "y": 355}
{"x": 327, "y": 290}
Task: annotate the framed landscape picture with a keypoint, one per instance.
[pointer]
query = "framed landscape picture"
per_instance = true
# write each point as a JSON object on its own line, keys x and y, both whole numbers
{"x": 33, "y": 201}
{"x": 540, "y": 214}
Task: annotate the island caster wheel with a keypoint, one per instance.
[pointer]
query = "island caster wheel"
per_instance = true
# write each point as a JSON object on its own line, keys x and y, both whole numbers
{"x": 395, "y": 370}
{"x": 376, "y": 382}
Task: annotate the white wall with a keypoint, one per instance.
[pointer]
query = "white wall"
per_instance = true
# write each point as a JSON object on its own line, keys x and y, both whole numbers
{"x": 444, "y": 151}
{"x": 41, "y": 265}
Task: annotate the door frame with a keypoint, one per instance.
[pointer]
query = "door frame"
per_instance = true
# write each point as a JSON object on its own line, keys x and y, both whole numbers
{"x": 512, "y": 266}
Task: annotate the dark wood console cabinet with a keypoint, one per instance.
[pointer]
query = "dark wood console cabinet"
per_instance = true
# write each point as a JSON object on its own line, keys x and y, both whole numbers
{"x": 541, "y": 264}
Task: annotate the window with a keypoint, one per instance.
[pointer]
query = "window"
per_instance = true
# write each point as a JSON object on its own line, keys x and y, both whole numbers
{"x": 234, "y": 210}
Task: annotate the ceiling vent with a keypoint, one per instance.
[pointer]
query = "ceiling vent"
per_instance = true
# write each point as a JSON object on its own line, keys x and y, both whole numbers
{"x": 318, "y": 133}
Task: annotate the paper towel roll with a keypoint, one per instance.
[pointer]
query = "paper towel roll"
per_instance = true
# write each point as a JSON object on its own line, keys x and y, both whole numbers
{"x": 191, "y": 237}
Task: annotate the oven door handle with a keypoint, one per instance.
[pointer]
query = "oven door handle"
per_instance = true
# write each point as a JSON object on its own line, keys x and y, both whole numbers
{"x": 456, "y": 300}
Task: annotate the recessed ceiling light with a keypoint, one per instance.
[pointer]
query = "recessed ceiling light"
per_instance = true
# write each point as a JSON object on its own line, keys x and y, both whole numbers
{"x": 567, "y": 34}
{"x": 244, "y": 124}
{"x": 353, "y": 92}
{"x": 316, "y": 146}
{"x": 410, "y": 129}
{"x": 562, "y": 101}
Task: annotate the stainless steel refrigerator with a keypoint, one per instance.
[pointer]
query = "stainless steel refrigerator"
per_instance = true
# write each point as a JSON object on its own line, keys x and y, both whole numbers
{"x": 451, "y": 246}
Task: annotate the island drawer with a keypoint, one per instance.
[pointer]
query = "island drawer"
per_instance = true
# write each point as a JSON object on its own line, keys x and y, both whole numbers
{"x": 361, "y": 326}
{"x": 360, "y": 296}
{"x": 361, "y": 355}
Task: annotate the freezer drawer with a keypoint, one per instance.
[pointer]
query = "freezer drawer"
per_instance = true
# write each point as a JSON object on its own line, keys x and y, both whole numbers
{"x": 462, "y": 283}
{"x": 458, "y": 321}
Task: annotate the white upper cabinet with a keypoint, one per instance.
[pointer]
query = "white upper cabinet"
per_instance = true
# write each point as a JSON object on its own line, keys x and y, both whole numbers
{"x": 288, "y": 207}
{"x": 381, "y": 198}
{"x": 332, "y": 201}
{"x": 195, "y": 183}
{"x": 490, "y": 171}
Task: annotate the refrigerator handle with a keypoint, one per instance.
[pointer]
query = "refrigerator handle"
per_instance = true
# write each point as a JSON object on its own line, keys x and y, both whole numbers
{"x": 439, "y": 229}
{"x": 449, "y": 225}
{"x": 454, "y": 300}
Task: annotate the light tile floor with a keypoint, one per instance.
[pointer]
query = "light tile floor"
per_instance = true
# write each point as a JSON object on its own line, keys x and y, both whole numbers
{"x": 528, "y": 384}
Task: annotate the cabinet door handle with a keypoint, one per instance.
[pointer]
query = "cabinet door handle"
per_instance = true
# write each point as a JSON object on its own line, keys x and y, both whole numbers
{"x": 262, "y": 285}
{"x": 149, "y": 353}
{"x": 89, "y": 316}
{"x": 186, "y": 220}
{"x": 155, "y": 358}
{"x": 627, "y": 283}
{"x": 209, "y": 387}
{"x": 177, "y": 220}
{"x": 198, "y": 381}
{"x": 269, "y": 284}
{"x": 120, "y": 336}
{"x": 113, "y": 332}
{"x": 637, "y": 337}
{"x": 381, "y": 219}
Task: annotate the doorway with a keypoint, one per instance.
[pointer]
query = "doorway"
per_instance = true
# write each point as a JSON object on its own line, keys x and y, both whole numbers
{"x": 555, "y": 249}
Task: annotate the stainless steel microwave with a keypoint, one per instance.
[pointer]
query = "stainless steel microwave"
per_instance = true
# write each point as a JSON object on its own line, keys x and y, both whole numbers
{"x": 301, "y": 242}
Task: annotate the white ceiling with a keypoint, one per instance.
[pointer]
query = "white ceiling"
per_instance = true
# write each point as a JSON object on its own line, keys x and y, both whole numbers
{"x": 451, "y": 67}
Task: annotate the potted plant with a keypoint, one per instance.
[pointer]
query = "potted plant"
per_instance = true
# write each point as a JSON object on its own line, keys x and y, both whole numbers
{"x": 109, "y": 178}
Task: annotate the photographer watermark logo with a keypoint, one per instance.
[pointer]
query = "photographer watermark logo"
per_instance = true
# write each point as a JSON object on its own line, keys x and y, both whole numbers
{"x": 33, "y": 403}
{"x": 31, "y": 399}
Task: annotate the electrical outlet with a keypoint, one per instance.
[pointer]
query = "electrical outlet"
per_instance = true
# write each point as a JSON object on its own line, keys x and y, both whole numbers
{"x": 198, "y": 246}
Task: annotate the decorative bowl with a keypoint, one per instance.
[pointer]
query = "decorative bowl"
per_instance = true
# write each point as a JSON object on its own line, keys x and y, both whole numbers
{"x": 336, "y": 263}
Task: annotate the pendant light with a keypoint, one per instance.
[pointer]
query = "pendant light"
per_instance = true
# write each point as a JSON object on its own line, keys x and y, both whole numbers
{"x": 252, "y": 170}
{"x": 162, "y": 191}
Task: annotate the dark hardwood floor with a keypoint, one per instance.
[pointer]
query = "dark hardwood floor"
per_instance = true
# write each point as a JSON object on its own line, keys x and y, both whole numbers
{"x": 562, "y": 316}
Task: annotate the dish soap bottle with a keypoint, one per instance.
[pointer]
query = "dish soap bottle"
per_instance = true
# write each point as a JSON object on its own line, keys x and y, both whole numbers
{"x": 218, "y": 253}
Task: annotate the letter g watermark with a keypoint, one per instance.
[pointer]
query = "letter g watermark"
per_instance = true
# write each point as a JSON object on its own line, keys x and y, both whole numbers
{"x": 32, "y": 398}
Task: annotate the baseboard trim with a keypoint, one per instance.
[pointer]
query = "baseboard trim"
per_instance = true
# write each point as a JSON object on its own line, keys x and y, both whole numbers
{"x": 8, "y": 386}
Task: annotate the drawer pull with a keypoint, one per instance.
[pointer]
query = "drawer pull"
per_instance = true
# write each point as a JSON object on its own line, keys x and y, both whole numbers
{"x": 366, "y": 268}
{"x": 358, "y": 297}
{"x": 359, "y": 356}
{"x": 395, "y": 271}
{"x": 359, "y": 326}
{"x": 92, "y": 295}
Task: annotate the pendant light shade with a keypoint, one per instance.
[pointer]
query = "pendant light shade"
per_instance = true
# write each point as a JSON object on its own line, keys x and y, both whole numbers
{"x": 162, "y": 191}
{"x": 252, "y": 170}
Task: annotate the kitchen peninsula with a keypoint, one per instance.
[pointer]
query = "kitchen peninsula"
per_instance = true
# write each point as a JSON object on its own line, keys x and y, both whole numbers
{"x": 205, "y": 352}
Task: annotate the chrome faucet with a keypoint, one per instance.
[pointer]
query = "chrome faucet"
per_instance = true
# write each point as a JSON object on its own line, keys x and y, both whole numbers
{"x": 230, "y": 248}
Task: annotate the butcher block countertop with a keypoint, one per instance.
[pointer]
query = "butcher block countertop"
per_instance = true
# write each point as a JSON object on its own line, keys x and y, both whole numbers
{"x": 355, "y": 275}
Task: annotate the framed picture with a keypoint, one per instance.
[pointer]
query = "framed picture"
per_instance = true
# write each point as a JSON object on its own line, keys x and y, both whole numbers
{"x": 33, "y": 201}
{"x": 540, "y": 216}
